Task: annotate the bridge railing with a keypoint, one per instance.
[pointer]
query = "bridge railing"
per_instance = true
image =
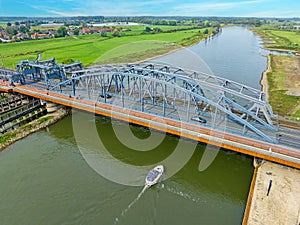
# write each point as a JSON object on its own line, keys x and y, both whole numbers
{"x": 160, "y": 89}
{"x": 163, "y": 93}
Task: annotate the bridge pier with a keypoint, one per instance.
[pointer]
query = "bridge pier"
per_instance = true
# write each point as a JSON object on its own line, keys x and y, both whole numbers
{"x": 52, "y": 107}
{"x": 17, "y": 110}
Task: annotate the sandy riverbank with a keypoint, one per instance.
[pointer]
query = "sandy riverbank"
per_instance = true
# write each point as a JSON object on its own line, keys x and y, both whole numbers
{"x": 275, "y": 197}
{"x": 264, "y": 78}
{"x": 33, "y": 126}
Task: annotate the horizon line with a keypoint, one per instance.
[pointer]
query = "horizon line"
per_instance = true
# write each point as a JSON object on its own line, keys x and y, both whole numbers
{"x": 162, "y": 16}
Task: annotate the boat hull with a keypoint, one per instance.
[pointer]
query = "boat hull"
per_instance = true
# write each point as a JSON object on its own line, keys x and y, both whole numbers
{"x": 154, "y": 175}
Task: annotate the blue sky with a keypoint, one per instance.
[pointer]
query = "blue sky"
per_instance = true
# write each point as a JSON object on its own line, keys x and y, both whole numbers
{"x": 252, "y": 8}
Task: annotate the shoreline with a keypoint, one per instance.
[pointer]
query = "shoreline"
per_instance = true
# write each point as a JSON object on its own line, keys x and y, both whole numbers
{"x": 291, "y": 90}
{"x": 61, "y": 113}
{"x": 264, "y": 78}
{"x": 174, "y": 50}
{"x": 274, "y": 196}
{"x": 250, "y": 194}
{"x": 35, "y": 126}
{"x": 280, "y": 49}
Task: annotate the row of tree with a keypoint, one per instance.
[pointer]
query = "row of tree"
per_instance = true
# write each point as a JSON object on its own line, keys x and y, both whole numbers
{"x": 17, "y": 28}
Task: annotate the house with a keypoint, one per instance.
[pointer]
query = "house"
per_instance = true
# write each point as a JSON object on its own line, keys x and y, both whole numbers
{"x": 297, "y": 27}
{"x": 38, "y": 36}
{"x": 4, "y": 40}
{"x": 96, "y": 30}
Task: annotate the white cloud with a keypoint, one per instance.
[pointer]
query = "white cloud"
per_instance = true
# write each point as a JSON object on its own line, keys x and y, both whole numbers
{"x": 211, "y": 8}
{"x": 219, "y": 5}
{"x": 161, "y": 7}
{"x": 276, "y": 13}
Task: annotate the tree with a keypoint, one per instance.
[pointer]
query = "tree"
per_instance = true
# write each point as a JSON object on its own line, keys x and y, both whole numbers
{"x": 11, "y": 31}
{"x": 148, "y": 29}
{"x": 172, "y": 23}
{"x": 67, "y": 61}
{"x": 61, "y": 32}
{"x": 257, "y": 23}
{"x": 157, "y": 30}
{"x": 103, "y": 33}
{"x": 76, "y": 31}
{"x": 24, "y": 29}
{"x": 8, "y": 24}
{"x": 116, "y": 34}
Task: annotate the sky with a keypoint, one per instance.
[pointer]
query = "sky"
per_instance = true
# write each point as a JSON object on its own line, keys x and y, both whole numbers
{"x": 238, "y": 8}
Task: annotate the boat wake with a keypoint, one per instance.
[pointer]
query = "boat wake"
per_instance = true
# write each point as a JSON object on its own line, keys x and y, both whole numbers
{"x": 185, "y": 195}
{"x": 117, "y": 219}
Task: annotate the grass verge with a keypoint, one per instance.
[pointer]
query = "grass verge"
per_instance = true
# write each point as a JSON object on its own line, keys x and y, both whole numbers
{"x": 284, "y": 77}
{"x": 281, "y": 80}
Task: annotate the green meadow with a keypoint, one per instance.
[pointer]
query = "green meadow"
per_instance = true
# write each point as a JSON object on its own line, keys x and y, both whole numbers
{"x": 91, "y": 49}
{"x": 282, "y": 39}
{"x": 293, "y": 36}
{"x": 283, "y": 79}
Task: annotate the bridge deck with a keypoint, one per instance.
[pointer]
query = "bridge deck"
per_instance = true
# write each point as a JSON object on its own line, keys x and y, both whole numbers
{"x": 272, "y": 152}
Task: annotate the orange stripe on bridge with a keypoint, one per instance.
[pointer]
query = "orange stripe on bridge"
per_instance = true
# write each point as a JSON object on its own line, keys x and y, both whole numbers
{"x": 179, "y": 128}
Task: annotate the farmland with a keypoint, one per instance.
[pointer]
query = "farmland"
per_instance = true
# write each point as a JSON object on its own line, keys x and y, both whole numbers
{"x": 289, "y": 40}
{"x": 284, "y": 83}
{"x": 284, "y": 76}
{"x": 131, "y": 45}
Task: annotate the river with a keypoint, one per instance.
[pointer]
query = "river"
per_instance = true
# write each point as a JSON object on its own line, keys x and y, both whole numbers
{"x": 53, "y": 176}
{"x": 235, "y": 54}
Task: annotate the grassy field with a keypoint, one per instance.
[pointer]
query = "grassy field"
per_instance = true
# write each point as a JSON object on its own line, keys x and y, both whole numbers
{"x": 282, "y": 39}
{"x": 291, "y": 36}
{"x": 284, "y": 77}
{"x": 284, "y": 86}
{"x": 3, "y": 24}
{"x": 92, "y": 49}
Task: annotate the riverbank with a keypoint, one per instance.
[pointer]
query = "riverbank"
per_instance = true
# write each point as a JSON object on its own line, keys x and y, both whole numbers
{"x": 250, "y": 194}
{"x": 264, "y": 78}
{"x": 274, "y": 197}
{"x": 281, "y": 80}
{"x": 170, "y": 48}
{"x": 34, "y": 126}
{"x": 194, "y": 42}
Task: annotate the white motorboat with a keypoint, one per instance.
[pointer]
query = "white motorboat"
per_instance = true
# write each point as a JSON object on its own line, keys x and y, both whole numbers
{"x": 154, "y": 175}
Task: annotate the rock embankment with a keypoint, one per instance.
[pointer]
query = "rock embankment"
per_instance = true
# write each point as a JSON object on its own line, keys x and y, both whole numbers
{"x": 38, "y": 124}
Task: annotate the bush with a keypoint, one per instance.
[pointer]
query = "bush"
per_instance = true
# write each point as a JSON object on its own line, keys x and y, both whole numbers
{"x": 103, "y": 33}
{"x": 6, "y": 137}
{"x": 116, "y": 34}
{"x": 44, "y": 119}
{"x": 68, "y": 61}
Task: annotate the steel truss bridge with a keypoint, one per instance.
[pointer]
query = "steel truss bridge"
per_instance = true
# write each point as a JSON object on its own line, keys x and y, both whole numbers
{"x": 191, "y": 104}
{"x": 45, "y": 70}
{"x": 167, "y": 91}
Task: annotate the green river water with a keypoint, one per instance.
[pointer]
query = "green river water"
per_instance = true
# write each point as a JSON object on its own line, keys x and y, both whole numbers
{"x": 45, "y": 180}
{"x": 77, "y": 173}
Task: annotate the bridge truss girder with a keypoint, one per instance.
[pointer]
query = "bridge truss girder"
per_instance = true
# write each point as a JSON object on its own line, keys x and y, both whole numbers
{"x": 177, "y": 95}
{"x": 46, "y": 70}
